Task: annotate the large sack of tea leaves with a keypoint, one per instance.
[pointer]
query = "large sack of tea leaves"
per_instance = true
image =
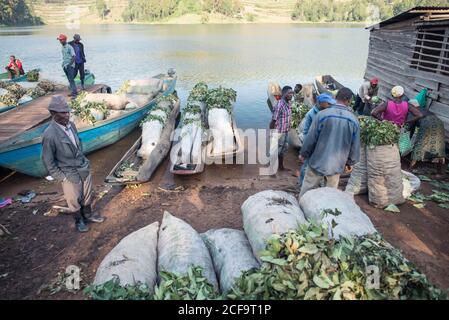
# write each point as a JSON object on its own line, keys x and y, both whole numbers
{"x": 231, "y": 254}
{"x": 220, "y": 125}
{"x": 358, "y": 181}
{"x": 133, "y": 259}
{"x": 180, "y": 247}
{"x": 145, "y": 86}
{"x": 385, "y": 185}
{"x": 139, "y": 100}
{"x": 269, "y": 212}
{"x": 151, "y": 133}
{"x": 350, "y": 219}
{"x": 112, "y": 101}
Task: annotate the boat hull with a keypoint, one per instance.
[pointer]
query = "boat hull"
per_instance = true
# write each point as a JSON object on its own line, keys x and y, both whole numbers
{"x": 24, "y": 154}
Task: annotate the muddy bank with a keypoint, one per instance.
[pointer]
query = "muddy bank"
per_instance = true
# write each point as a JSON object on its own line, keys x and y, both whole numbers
{"x": 41, "y": 245}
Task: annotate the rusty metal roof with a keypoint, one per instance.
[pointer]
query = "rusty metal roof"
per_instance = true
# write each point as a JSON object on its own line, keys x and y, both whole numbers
{"x": 426, "y": 12}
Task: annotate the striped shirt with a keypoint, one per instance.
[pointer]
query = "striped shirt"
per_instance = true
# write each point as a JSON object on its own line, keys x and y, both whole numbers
{"x": 282, "y": 115}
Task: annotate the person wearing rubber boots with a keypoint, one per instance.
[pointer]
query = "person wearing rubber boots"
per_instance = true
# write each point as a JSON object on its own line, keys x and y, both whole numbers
{"x": 63, "y": 157}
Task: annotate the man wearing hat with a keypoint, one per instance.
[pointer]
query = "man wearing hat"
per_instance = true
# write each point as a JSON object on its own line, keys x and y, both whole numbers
{"x": 367, "y": 90}
{"x": 68, "y": 62}
{"x": 63, "y": 157}
{"x": 80, "y": 57}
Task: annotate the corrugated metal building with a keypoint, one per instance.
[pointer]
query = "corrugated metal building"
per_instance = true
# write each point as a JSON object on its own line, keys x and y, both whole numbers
{"x": 412, "y": 50}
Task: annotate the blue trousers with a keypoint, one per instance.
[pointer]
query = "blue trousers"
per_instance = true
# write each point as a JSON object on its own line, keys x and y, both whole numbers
{"x": 303, "y": 172}
{"x": 70, "y": 73}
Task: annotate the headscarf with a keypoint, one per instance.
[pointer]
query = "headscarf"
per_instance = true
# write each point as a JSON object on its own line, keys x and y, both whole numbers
{"x": 397, "y": 92}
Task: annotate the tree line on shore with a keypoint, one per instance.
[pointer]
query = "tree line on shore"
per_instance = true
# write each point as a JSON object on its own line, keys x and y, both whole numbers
{"x": 355, "y": 10}
{"x": 18, "y": 12}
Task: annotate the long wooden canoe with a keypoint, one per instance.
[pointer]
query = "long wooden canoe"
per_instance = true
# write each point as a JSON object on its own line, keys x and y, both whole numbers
{"x": 327, "y": 84}
{"x": 22, "y": 153}
{"x": 131, "y": 169}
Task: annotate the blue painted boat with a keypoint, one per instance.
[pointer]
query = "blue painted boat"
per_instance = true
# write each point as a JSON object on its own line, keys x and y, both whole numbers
{"x": 23, "y": 153}
{"x": 5, "y": 77}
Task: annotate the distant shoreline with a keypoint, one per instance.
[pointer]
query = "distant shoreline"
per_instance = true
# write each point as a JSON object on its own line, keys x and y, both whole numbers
{"x": 91, "y": 23}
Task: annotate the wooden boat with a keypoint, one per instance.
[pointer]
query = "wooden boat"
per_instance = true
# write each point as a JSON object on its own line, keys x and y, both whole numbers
{"x": 22, "y": 151}
{"x": 5, "y": 77}
{"x": 89, "y": 80}
{"x": 327, "y": 84}
{"x": 131, "y": 169}
{"x": 239, "y": 146}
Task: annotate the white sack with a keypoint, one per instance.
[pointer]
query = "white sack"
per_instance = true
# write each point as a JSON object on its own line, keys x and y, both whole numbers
{"x": 358, "y": 181}
{"x": 133, "y": 259}
{"x": 3, "y": 91}
{"x": 115, "y": 113}
{"x": 220, "y": 124}
{"x": 351, "y": 221}
{"x": 139, "y": 99}
{"x": 112, "y": 101}
{"x": 151, "y": 134}
{"x": 131, "y": 106}
{"x": 145, "y": 86}
{"x": 269, "y": 212}
{"x": 28, "y": 85}
{"x": 294, "y": 139}
{"x": 231, "y": 254}
{"x": 411, "y": 184}
{"x": 25, "y": 99}
{"x": 181, "y": 247}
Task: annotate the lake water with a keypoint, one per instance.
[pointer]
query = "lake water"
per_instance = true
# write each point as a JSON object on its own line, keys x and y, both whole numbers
{"x": 243, "y": 57}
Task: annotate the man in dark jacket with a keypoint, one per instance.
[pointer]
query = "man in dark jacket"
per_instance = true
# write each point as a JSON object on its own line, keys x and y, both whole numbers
{"x": 63, "y": 157}
{"x": 80, "y": 57}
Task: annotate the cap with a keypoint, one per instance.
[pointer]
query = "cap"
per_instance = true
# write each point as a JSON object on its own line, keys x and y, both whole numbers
{"x": 374, "y": 81}
{"x": 58, "y": 104}
{"x": 77, "y": 37}
{"x": 61, "y": 37}
{"x": 325, "y": 97}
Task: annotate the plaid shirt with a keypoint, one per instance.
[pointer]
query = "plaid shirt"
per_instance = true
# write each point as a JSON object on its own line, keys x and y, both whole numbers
{"x": 282, "y": 115}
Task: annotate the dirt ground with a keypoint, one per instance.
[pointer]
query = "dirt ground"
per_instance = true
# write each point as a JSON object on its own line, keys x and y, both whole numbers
{"x": 40, "y": 245}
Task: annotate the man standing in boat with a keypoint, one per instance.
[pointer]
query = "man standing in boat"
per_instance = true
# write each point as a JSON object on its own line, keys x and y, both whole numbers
{"x": 68, "y": 62}
{"x": 63, "y": 157}
{"x": 80, "y": 57}
{"x": 281, "y": 121}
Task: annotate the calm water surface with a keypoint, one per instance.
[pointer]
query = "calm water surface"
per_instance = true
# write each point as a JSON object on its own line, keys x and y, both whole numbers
{"x": 244, "y": 57}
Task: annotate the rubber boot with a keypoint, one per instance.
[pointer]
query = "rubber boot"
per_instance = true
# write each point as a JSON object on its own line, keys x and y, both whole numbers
{"x": 79, "y": 223}
{"x": 90, "y": 216}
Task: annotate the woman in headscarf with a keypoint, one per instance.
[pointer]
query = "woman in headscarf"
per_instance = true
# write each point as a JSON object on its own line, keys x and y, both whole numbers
{"x": 396, "y": 110}
{"x": 430, "y": 141}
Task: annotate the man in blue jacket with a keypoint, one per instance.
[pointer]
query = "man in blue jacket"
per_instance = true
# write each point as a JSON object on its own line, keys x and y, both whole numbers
{"x": 332, "y": 145}
{"x": 80, "y": 57}
{"x": 323, "y": 101}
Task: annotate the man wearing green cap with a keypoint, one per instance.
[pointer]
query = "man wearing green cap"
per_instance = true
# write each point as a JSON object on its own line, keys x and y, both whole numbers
{"x": 63, "y": 157}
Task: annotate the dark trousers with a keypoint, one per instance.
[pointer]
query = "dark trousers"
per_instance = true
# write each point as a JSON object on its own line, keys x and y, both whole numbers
{"x": 80, "y": 67}
{"x": 70, "y": 73}
{"x": 359, "y": 105}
